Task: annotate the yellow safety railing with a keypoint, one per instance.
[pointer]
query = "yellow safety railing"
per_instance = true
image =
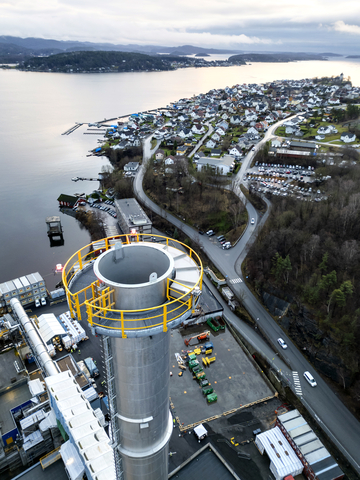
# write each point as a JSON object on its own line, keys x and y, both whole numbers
{"x": 99, "y": 302}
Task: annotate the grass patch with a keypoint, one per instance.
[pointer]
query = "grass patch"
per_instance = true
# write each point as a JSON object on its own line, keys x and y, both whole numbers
{"x": 280, "y": 132}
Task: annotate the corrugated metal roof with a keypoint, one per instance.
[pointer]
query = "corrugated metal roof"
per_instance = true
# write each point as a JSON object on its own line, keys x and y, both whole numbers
{"x": 302, "y": 439}
{"x": 311, "y": 446}
{"x": 323, "y": 465}
{"x": 299, "y": 431}
{"x": 282, "y": 456}
{"x": 72, "y": 460}
{"x": 32, "y": 419}
{"x": 314, "y": 457}
{"x": 49, "y": 326}
{"x": 295, "y": 423}
{"x": 289, "y": 416}
{"x": 80, "y": 421}
{"x": 32, "y": 440}
{"x": 319, "y": 459}
{"x": 331, "y": 473}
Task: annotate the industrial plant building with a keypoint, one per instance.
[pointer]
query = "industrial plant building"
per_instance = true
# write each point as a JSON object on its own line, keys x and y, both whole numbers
{"x": 146, "y": 308}
{"x": 131, "y": 217}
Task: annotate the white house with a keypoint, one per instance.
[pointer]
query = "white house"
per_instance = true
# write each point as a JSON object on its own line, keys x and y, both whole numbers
{"x": 210, "y": 144}
{"x": 159, "y": 155}
{"x": 131, "y": 167}
{"x": 276, "y": 143}
{"x": 235, "y": 120}
{"x": 216, "y": 137}
{"x": 348, "y": 137}
{"x": 326, "y": 130}
{"x": 198, "y": 129}
{"x": 223, "y": 165}
{"x": 220, "y": 131}
{"x": 252, "y": 131}
{"x": 290, "y": 130}
{"x": 235, "y": 151}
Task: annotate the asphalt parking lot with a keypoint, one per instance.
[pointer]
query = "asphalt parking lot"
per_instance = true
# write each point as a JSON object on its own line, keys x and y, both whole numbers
{"x": 233, "y": 377}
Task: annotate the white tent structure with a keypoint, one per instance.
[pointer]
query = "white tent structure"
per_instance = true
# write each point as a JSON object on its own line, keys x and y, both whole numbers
{"x": 72, "y": 461}
{"x": 284, "y": 460}
{"x": 50, "y": 327}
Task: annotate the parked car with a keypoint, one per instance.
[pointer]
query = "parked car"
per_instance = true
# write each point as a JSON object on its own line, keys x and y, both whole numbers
{"x": 226, "y": 246}
{"x": 210, "y": 233}
{"x": 282, "y": 343}
{"x": 43, "y": 301}
{"x": 37, "y": 303}
{"x": 201, "y": 232}
{"x": 310, "y": 379}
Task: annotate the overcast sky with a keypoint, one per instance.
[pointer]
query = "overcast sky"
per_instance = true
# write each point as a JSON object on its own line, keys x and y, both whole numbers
{"x": 292, "y": 25}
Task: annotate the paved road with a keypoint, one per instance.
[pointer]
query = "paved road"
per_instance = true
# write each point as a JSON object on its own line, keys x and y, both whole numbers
{"x": 335, "y": 419}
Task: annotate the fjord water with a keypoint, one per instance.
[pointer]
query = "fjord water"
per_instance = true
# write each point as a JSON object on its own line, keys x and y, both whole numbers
{"x": 37, "y": 162}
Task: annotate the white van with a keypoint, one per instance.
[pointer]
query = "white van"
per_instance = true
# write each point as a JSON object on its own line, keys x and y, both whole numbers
{"x": 309, "y": 378}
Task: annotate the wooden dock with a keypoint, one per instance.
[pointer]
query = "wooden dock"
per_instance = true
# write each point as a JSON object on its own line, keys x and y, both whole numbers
{"x": 72, "y": 129}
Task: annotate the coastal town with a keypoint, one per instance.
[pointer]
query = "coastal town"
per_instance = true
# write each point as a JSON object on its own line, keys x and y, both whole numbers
{"x": 229, "y": 122}
{"x": 231, "y": 369}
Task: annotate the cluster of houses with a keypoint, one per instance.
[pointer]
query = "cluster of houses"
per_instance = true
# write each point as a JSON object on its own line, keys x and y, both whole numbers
{"x": 242, "y": 113}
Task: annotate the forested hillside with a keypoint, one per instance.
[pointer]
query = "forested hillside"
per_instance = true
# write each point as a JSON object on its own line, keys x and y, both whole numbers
{"x": 100, "y": 61}
{"x": 309, "y": 253}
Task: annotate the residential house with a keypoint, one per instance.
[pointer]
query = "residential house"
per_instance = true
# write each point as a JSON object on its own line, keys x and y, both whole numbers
{"x": 132, "y": 167}
{"x": 327, "y": 130}
{"x": 224, "y": 125}
{"x": 184, "y": 132}
{"x": 235, "y": 151}
{"x": 176, "y": 164}
{"x": 67, "y": 200}
{"x": 181, "y": 150}
{"x": 216, "y": 137}
{"x": 220, "y": 131}
{"x": 159, "y": 154}
{"x": 198, "y": 129}
{"x": 235, "y": 120}
{"x": 223, "y": 165}
{"x": 253, "y": 131}
{"x": 210, "y": 144}
{"x": 215, "y": 152}
{"x": 276, "y": 143}
{"x": 348, "y": 137}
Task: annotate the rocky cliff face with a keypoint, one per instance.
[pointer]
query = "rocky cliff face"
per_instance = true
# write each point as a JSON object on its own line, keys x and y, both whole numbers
{"x": 320, "y": 349}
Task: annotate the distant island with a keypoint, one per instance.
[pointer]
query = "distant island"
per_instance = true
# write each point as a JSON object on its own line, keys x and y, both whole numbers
{"x": 100, "y": 62}
{"x": 353, "y": 56}
{"x": 275, "y": 57}
{"x": 46, "y": 55}
{"x": 106, "y": 62}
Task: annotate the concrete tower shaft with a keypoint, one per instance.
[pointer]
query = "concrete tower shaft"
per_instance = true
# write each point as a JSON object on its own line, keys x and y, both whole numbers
{"x": 141, "y": 290}
{"x": 142, "y": 402}
{"x": 138, "y": 274}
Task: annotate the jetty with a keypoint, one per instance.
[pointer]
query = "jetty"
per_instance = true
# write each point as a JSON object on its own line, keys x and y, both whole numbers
{"x": 76, "y": 179}
{"x": 72, "y": 129}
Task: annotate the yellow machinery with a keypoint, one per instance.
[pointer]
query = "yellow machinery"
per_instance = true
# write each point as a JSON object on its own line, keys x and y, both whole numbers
{"x": 207, "y": 361}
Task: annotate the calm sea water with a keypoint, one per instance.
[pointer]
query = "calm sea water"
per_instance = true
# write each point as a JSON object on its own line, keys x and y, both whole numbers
{"x": 37, "y": 162}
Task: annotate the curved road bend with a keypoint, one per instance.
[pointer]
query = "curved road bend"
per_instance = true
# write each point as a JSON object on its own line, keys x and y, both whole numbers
{"x": 331, "y": 414}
